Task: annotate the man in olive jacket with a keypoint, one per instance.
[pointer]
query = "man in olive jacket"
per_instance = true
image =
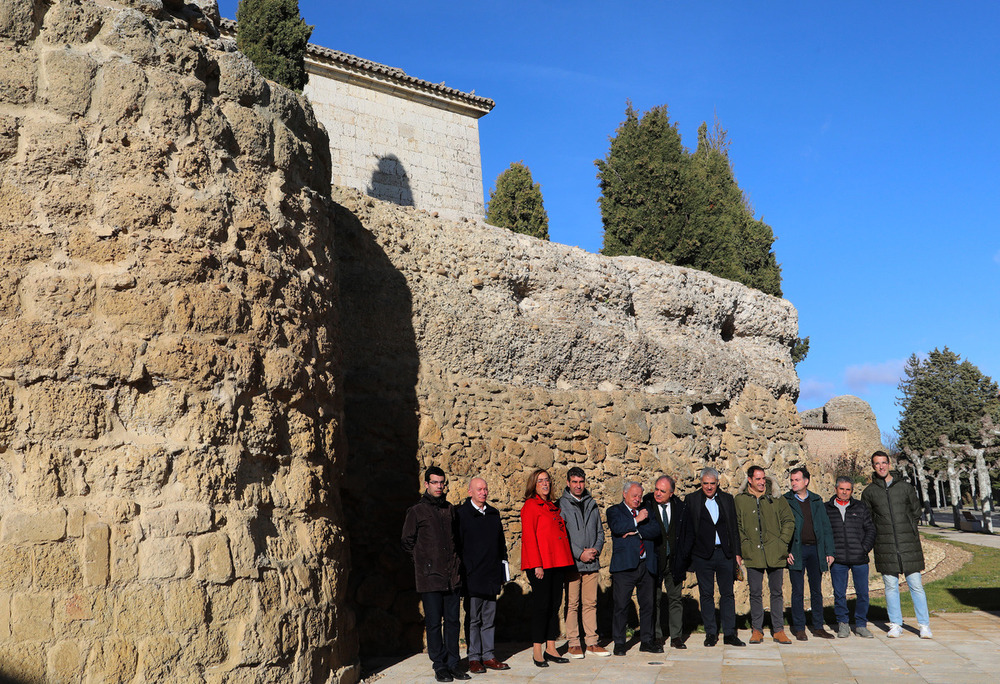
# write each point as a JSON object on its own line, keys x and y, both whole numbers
{"x": 429, "y": 537}
{"x": 895, "y": 510}
{"x": 811, "y": 552}
{"x": 766, "y": 526}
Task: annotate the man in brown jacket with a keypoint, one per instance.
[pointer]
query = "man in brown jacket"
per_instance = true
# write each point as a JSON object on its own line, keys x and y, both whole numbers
{"x": 429, "y": 538}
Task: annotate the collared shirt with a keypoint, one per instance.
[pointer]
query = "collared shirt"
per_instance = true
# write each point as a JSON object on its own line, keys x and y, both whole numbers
{"x": 482, "y": 511}
{"x": 642, "y": 544}
{"x": 712, "y": 506}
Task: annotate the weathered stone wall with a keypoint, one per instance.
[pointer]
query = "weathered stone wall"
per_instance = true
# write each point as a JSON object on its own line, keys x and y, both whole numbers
{"x": 825, "y": 442}
{"x": 398, "y": 144}
{"x": 845, "y": 425}
{"x": 488, "y": 352}
{"x": 170, "y": 420}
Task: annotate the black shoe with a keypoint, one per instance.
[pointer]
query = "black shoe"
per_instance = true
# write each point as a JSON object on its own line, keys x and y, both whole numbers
{"x": 554, "y": 658}
{"x": 539, "y": 663}
{"x": 443, "y": 676}
{"x": 677, "y": 643}
{"x": 620, "y": 649}
{"x": 650, "y": 647}
{"x": 711, "y": 639}
{"x": 733, "y": 640}
{"x": 460, "y": 675}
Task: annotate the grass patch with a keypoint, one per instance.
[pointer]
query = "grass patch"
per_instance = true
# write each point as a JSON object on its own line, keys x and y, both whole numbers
{"x": 973, "y": 587}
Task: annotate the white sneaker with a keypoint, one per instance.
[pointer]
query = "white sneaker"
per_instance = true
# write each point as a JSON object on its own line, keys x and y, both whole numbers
{"x": 925, "y": 632}
{"x": 895, "y": 631}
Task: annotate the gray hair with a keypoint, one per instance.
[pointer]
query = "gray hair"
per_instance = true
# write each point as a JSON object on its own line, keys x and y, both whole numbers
{"x": 629, "y": 484}
{"x": 843, "y": 479}
{"x": 709, "y": 471}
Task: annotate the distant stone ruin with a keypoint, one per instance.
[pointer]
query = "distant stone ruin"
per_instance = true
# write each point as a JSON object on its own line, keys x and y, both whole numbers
{"x": 845, "y": 425}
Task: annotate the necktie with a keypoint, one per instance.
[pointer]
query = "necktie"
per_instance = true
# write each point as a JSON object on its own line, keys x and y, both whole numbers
{"x": 663, "y": 514}
{"x": 642, "y": 544}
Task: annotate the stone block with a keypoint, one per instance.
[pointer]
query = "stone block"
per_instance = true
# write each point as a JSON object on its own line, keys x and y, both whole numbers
{"x": 18, "y": 20}
{"x": 112, "y": 661}
{"x": 168, "y": 558}
{"x": 176, "y": 519}
{"x": 57, "y": 566}
{"x": 23, "y": 662}
{"x": 96, "y": 554}
{"x": 139, "y": 610}
{"x": 31, "y": 617}
{"x": 158, "y": 657}
{"x": 212, "y": 560}
{"x": 20, "y": 527}
{"x": 65, "y": 411}
{"x": 65, "y": 663}
{"x": 184, "y": 606}
{"x": 68, "y": 81}
{"x": 19, "y": 80}
{"x": 16, "y": 562}
{"x": 4, "y": 616}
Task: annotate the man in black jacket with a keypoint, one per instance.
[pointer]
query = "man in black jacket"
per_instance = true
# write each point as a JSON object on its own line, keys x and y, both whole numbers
{"x": 429, "y": 537}
{"x": 483, "y": 550}
{"x": 670, "y": 513}
{"x": 710, "y": 546}
{"x": 853, "y": 539}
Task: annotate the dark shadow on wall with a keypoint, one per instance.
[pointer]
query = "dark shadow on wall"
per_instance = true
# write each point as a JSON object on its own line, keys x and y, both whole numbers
{"x": 390, "y": 182}
{"x": 380, "y": 417}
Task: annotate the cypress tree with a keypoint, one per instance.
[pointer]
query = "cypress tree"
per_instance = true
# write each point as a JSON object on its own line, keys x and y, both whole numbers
{"x": 662, "y": 202}
{"x": 516, "y": 203}
{"x": 274, "y": 36}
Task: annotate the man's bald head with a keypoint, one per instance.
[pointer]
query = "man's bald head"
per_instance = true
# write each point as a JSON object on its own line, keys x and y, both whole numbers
{"x": 479, "y": 491}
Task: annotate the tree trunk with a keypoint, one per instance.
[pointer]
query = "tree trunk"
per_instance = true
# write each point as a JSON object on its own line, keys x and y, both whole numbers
{"x": 972, "y": 488}
{"x": 985, "y": 490}
{"x": 921, "y": 478}
{"x": 954, "y": 487}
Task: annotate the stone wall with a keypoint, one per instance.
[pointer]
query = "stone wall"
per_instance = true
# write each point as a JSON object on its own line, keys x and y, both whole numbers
{"x": 825, "y": 442}
{"x": 170, "y": 424}
{"x": 492, "y": 353}
{"x": 845, "y": 425}
{"x": 397, "y": 143}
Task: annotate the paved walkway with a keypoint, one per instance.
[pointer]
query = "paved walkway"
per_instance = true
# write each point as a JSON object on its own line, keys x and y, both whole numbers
{"x": 965, "y": 648}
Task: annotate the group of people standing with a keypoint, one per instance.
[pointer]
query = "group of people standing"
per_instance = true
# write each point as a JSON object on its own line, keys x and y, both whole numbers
{"x": 657, "y": 538}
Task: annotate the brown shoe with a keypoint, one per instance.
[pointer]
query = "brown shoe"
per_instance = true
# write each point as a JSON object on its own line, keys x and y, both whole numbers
{"x": 821, "y": 633}
{"x": 575, "y": 652}
{"x": 598, "y": 651}
{"x": 476, "y": 667}
{"x": 801, "y": 635}
{"x": 494, "y": 664}
{"x": 757, "y": 637}
{"x": 781, "y": 637}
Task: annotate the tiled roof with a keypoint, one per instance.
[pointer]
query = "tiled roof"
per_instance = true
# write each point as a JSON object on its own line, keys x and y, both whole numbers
{"x": 823, "y": 426}
{"x": 228, "y": 27}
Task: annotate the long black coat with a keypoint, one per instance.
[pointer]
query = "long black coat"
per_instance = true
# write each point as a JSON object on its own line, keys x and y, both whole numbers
{"x": 482, "y": 548}
{"x": 895, "y": 511}
{"x": 429, "y": 537}
{"x": 669, "y": 554}
{"x": 854, "y": 534}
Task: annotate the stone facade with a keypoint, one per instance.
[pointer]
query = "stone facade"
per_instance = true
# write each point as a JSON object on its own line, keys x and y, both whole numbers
{"x": 492, "y": 353}
{"x": 168, "y": 360}
{"x": 845, "y": 425}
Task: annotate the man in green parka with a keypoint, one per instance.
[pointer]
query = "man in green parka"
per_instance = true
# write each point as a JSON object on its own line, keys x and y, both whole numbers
{"x": 765, "y": 526}
{"x": 811, "y": 552}
{"x": 895, "y": 511}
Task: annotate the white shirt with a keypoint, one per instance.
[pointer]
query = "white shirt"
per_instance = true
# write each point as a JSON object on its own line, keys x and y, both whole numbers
{"x": 713, "y": 510}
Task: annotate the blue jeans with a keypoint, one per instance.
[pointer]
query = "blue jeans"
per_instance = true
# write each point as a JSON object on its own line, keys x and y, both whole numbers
{"x": 916, "y": 585}
{"x": 838, "y": 575}
{"x": 810, "y": 564}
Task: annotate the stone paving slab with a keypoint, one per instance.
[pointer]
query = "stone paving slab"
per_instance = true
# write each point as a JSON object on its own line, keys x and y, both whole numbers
{"x": 964, "y": 649}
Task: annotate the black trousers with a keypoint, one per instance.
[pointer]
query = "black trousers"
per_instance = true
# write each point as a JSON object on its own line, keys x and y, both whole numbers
{"x": 622, "y": 584}
{"x": 709, "y": 571}
{"x": 438, "y": 606}
{"x": 546, "y": 600}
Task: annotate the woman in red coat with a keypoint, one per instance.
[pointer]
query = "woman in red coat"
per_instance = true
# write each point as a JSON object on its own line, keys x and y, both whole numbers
{"x": 545, "y": 554}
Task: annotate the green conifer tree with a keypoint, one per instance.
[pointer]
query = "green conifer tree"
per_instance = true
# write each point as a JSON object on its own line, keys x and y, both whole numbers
{"x": 274, "y": 36}
{"x": 516, "y": 203}
{"x": 662, "y": 202}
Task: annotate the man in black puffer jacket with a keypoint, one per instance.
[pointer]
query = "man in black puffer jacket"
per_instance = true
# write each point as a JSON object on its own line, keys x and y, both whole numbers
{"x": 896, "y": 511}
{"x": 853, "y": 539}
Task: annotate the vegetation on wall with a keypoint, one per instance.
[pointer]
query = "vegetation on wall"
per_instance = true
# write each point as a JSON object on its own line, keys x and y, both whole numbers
{"x": 516, "y": 203}
{"x": 274, "y": 36}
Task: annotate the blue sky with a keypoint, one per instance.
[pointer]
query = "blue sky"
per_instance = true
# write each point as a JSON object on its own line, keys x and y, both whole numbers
{"x": 864, "y": 133}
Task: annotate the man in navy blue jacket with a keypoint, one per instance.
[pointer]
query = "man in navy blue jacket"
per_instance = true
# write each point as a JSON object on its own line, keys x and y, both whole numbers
{"x": 634, "y": 533}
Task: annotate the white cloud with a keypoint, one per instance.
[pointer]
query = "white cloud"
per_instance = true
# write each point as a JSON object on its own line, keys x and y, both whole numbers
{"x": 860, "y": 378}
{"x": 814, "y": 391}
{"x": 996, "y": 257}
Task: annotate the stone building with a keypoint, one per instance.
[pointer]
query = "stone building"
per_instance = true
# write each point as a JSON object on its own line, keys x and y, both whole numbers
{"x": 396, "y": 137}
{"x": 844, "y": 426}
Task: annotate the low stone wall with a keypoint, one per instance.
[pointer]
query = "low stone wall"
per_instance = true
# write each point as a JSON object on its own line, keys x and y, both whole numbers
{"x": 490, "y": 353}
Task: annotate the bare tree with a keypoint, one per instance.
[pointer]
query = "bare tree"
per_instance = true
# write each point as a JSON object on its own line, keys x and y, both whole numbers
{"x": 919, "y": 460}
